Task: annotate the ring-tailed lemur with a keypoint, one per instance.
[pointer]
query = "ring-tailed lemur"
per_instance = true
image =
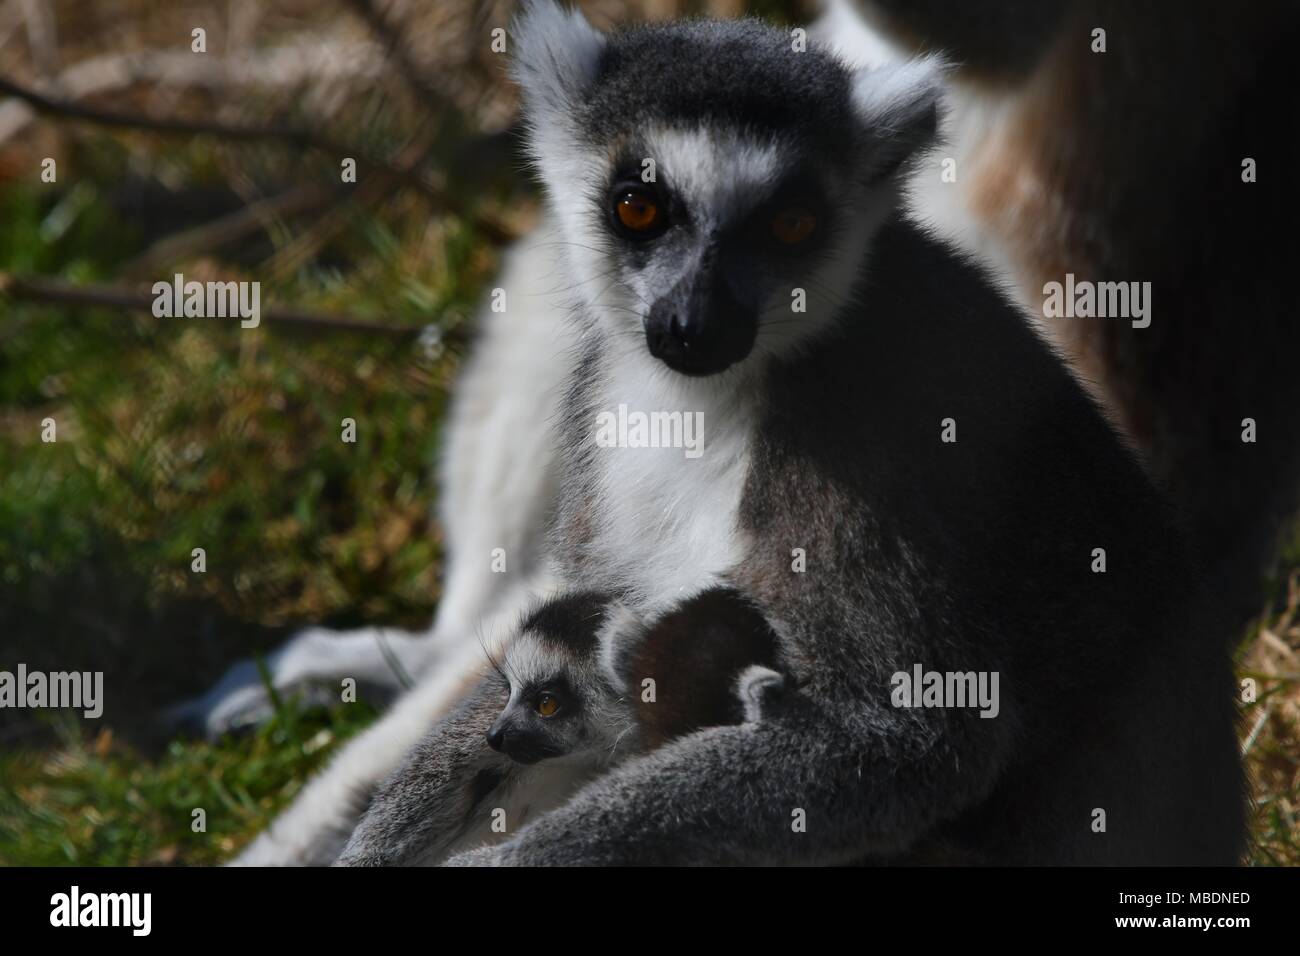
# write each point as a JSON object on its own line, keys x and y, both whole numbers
{"x": 903, "y": 479}
{"x": 583, "y": 685}
{"x": 521, "y": 356}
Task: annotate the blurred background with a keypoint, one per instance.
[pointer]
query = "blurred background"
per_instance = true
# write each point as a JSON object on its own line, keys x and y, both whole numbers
{"x": 182, "y": 433}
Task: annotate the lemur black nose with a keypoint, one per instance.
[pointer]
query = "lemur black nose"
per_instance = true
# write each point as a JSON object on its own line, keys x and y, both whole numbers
{"x": 701, "y": 330}
{"x": 671, "y": 335}
{"x": 496, "y": 737}
{"x": 685, "y": 336}
{"x": 679, "y": 330}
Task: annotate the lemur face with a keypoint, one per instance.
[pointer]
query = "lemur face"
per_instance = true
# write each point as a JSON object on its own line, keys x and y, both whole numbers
{"x": 716, "y": 185}
{"x": 543, "y": 719}
{"x": 712, "y": 249}
{"x": 560, "y": 703}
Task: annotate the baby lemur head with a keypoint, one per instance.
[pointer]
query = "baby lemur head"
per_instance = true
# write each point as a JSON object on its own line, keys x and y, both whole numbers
{"x": 561, "y": 702}
{"x": 715, "y": 183}
{"x": 577, "y": 672}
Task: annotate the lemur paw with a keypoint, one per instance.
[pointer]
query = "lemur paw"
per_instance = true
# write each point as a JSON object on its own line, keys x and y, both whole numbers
{"x": 310, "y": 666}
{"x": 239, "y": 701}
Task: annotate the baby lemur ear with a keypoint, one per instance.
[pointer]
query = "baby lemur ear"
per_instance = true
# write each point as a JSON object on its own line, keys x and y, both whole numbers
{"x": 621, "y": 635}
{"x": 760, "y": 690}
{"x": 556, "y": 59}
{"x": 898, "y": 105}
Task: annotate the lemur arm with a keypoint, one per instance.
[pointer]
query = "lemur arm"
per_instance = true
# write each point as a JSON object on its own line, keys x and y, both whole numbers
{"x": 867, "y": 786}
{"x": 427, "y": 802}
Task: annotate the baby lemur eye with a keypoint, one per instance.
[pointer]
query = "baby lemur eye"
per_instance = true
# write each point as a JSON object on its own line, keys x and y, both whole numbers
{"x": 793, "y": 225}
{"x": 639, "y": 215}
{"x": 547, "y": 705}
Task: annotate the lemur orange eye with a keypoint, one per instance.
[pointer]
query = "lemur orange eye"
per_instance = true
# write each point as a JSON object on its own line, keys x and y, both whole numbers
{"x": 547, "y": 705}
{"x": 637, "y": 213}
{"x": 793, "y": 225}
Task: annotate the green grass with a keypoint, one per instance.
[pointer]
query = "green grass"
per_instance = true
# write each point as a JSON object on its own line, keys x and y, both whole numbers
{"x": 90, "y": 800}
{"x": 178, "y": 434}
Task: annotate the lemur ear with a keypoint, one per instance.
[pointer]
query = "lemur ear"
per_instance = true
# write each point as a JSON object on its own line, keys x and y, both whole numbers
{"x": 899, "y": 106}
{"x": 621, "y": 635}
{"x": 760, "y": 690}
{"x": 556, "y": 59}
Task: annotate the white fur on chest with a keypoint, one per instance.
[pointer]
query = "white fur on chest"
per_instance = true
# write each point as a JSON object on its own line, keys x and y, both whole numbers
{"x": 665, "y": 523}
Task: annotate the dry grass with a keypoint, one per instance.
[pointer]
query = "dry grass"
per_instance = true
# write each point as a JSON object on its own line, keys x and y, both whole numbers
{"x": 1272, "y": 728}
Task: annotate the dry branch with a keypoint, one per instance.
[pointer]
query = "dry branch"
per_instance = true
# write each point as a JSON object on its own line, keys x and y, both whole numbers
{"x": 395, "y": 40}
{"x": 492, "y": 228}
{"x": 280, "y": 67}
{"x": 54, "y": 292}
{"x": 229, "y": 228}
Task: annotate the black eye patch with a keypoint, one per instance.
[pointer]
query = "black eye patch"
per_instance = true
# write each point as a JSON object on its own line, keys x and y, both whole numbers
{"x": 796, "y": 218}
{"x": 636, "y": 210}
{"x": 560, "y": 685}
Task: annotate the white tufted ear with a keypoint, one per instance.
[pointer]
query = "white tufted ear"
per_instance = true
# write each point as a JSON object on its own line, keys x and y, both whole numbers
{"x": 898, "y": 105}
{"x": 556, "y": 59}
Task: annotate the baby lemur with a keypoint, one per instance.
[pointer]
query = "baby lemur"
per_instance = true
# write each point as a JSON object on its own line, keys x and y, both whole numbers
{"x": 580, "y": 687}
